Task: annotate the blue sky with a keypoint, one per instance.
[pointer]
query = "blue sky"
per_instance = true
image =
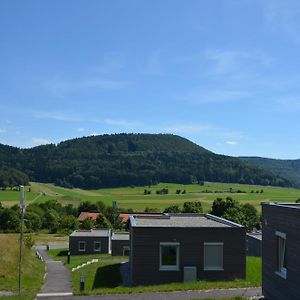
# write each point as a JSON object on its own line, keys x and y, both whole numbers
{"x": 224, "y": 74}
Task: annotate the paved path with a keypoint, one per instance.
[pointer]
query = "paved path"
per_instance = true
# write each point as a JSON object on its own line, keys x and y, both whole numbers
{"x": 183, "y": 295}
{"x": 57, "y": 277}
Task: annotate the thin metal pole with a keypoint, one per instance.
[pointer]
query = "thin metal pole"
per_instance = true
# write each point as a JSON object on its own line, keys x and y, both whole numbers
{"x": 22, "y": 209}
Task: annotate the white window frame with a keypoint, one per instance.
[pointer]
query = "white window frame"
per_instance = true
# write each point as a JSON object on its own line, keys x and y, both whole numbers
{"x": 204, "y": 257}
{"x": 126, "y": 248}
{"x": 169, "y": 267}
{"x": 98, "y": 249}
{"x": 84, "y": 243}
{"x": 280, "y": 254}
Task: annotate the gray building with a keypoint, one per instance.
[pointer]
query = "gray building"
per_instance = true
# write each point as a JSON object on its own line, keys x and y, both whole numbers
{"x": 120, "y": 244}
{"x": 280, "y": 251}
{"x": 90, "y": 241}
{"x": 178, "y": 247}
{"x": 253, "y": 244}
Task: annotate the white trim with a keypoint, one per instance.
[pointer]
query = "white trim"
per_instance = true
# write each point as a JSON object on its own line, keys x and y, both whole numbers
{"x": 280, "y": 254}
{"x": 281, "y": 234}
{"x": 169, "y": 267}
{"x": 81, "y": 250}
{"x": 97, "y": 250}
{"x": 204, "y": 257}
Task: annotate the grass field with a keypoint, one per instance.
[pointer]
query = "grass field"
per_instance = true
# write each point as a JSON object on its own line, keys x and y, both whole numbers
{"x": 33, "y": 269}
{"x": 134, "y": 198}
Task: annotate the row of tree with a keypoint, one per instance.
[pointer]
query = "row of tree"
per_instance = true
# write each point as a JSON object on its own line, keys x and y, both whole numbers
{"x": 131, "y": 160}
{"x": 54, "y": 217}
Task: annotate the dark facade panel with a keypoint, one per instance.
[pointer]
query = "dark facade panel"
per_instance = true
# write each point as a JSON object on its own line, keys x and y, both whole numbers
{"x": 284, "y": 220}
{"x": 89, "y": 245}
{"x": 253, "y": 246}
{"x": 118, "y": 247}
{"x": 145, "y": 253}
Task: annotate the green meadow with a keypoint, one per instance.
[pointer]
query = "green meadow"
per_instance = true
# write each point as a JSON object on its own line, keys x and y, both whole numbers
{"x": 134, "y": 198}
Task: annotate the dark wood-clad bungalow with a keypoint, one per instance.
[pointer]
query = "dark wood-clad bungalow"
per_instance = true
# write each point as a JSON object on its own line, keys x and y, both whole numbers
{"x": 90, "y": 241}
{"x": 281, "y": 251}
{"x": 253, "y": 244}
{"x": 185, "y": 247}
{"x": 120, "y": 244}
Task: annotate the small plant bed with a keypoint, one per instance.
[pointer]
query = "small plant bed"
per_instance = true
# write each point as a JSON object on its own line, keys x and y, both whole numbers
{"x": 105, "y": 278}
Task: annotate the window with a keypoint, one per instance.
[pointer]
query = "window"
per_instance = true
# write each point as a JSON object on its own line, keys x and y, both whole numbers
{"x": 97, "y": 246}
{"x": 81, "y": 246}
{"x": 126, "y": 250}
{"x": 213, "y": 257}
{"x": 169, "y": 257}
{"x": 281, "y": 254}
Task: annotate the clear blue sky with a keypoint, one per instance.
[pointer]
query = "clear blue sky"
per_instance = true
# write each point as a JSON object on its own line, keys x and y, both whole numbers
{"x": 224, "y": 74}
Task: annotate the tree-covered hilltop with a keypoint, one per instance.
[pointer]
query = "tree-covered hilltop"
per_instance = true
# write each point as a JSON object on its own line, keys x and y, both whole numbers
{"x": 286, "y": 168}
{"x": 131, "y": 159}
{"x": 10, "y": 177}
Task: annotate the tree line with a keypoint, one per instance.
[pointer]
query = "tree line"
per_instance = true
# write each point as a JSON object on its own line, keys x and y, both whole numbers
{"x": 131, "y": 160}
{"x": 54, "y": 217}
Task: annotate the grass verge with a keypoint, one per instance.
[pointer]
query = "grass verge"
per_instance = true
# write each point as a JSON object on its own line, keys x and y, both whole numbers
{"x": 105, "y": 278}
{"x": 32, "y": 269}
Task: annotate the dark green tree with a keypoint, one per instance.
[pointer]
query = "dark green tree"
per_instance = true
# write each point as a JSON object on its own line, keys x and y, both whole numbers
{"x": 192, "y": 207}
{"x": 172, "y": 209}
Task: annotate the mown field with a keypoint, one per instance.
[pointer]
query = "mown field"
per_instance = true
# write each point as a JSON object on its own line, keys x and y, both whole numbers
{"x": 33, "y": 269}
{"x": 133, "y": 197}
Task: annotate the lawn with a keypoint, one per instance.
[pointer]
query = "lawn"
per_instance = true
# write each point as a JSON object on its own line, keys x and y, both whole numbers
{"x": 105, "y": 278}
{"x": 133, "y": 197}
{"x": 33, "y": 269}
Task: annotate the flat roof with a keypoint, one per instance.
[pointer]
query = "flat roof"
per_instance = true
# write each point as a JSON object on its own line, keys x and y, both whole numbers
{"x": 182, "y": 220}
{"x": 91, "y": 233}
{"x": 255, "y": 235}
{"x": 120, "y": 236}
{"x": 283, "y": 204}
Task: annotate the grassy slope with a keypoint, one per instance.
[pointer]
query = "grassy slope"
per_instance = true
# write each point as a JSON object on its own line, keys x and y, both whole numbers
{"x": 33, "y": 269}
{"x": 134, "y": 197}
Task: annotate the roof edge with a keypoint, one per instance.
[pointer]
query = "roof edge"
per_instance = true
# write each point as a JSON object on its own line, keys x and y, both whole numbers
{"x": 223, "y": 221}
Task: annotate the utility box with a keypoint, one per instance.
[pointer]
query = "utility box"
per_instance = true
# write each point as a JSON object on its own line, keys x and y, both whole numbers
{"x": 189, "y": 273}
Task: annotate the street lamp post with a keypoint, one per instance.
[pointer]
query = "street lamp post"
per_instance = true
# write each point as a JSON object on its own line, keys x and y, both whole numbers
{"x": 22, "y": 211}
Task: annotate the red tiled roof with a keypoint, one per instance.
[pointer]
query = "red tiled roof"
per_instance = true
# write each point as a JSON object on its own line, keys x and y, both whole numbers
{"x": 124, "y": 216}
{"x": 85, "y": 214}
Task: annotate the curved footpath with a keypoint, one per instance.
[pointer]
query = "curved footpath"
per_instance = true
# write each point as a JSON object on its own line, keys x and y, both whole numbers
{"x": 57, "y": 282}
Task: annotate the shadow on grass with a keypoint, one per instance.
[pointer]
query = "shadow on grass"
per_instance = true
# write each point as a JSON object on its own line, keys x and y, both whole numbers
{"x": 108, "y": 277}
{"x": 62, "y": 253}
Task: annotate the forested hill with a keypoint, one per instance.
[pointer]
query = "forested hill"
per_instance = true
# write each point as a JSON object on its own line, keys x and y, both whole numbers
{"x": 289, "y": 169}
{"x": 130, "y": 159}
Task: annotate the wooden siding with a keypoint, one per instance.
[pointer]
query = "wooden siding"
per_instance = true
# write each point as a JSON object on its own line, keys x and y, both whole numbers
{"x": 286, "y": 220}
{"x": 89, "y": 246}
{"x": 253, "y": 246}
{"x": 117, "y": 247}
{"x": 145, "y": 245}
